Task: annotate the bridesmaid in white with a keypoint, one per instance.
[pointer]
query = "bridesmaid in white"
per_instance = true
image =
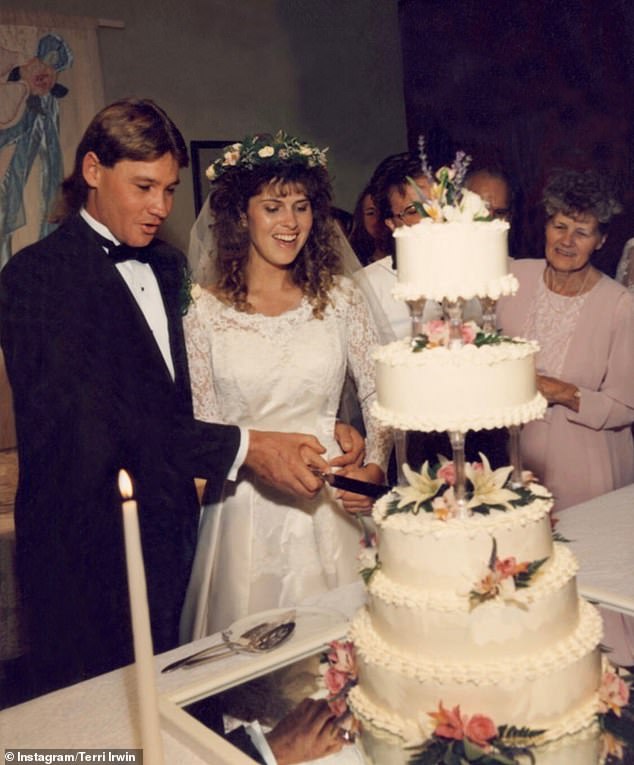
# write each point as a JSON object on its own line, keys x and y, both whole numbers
{"x": 269, "y": 344}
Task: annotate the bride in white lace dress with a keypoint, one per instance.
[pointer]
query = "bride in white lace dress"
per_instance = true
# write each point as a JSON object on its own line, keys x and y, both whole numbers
{"x": 269, "y": 346}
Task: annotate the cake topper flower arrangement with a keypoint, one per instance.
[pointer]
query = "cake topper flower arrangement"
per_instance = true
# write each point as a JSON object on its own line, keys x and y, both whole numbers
{"x": 448, "y": 200}
{"x": 265, "y": 148}
{"x": 432, "y": 490}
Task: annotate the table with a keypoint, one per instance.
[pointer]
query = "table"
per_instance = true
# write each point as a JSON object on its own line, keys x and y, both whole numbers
{"x": 601, "y": 534}
{"x": 101, "y": 713}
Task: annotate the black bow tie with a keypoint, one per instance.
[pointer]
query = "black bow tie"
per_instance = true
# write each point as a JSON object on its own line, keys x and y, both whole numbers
{"x": 119, "y": 253}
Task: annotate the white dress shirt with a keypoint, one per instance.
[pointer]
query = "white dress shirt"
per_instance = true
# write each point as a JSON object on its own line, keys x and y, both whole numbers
{"x": 144, "y": 288}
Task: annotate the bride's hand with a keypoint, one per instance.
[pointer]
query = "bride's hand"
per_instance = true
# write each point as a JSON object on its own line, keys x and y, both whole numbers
{"x": 351, "y": 443}
{"x": 357, "y": 503}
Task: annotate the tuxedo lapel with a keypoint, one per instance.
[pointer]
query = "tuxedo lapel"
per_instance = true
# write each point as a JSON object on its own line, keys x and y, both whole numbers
{"x": 170, "y": 274}
{"x": 125, "y": 310}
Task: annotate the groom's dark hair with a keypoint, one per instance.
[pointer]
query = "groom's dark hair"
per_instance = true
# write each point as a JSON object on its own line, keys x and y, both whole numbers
{"x": 135, "y": 129}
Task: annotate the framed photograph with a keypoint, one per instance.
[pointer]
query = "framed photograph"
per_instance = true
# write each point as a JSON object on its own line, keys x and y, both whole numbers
{"x": 203, "y": 153}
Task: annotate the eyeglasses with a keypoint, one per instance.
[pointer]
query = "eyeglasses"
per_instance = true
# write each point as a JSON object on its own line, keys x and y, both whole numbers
{"x": 409, "y": 214}
{"x": 503, "y": 213}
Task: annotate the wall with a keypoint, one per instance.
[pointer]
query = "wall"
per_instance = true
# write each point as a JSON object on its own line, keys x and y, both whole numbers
{"x": 543, "y": 84}
{"x": 326, "y": 70}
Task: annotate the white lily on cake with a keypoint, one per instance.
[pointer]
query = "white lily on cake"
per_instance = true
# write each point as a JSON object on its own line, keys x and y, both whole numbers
{"x": 421, "y": 487}
{"x": 488, "y": 485}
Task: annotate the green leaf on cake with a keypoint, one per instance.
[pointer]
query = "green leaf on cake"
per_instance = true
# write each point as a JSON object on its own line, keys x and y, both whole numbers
{"x": 523, "y": 579}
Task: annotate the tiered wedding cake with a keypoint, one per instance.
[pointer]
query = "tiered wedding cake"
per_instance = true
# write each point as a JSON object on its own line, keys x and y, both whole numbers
{"x": 474, "y": 638}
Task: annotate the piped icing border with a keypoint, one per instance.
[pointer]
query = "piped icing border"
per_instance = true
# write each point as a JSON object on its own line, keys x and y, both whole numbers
{"x": 375, "y": 650}
{"x": 399, "y": 353}
{"x": 410, "y": 732}
{"x": 562, "y": 568}
{"x": 422, "y": 524}
{"x": 494, "y": 289}
{"x": 503, "y": 418}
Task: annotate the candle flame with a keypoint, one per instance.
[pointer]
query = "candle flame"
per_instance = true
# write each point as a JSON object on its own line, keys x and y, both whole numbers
{"x": 125, "y": 485}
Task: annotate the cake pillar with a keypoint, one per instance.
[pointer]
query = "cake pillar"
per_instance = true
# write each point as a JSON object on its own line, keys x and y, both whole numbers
{"x": 457, "y": 439}
{"x": 515, "y": 456}
{"x": 489, "y": 318}
{"x": 453, "y": 310}
{"x": 416, "y": 310}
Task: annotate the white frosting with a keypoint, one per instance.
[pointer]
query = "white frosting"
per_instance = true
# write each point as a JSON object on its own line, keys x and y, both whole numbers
{"x": 581, "y": 748}
{"x": 529, "y": 656}
{"x": 426, "y": 553}
{"x": 452, "y": 260}
{"x": 457, "y": 389}
{"x": 447, "y": 627}
{"x": 538, "y": 690}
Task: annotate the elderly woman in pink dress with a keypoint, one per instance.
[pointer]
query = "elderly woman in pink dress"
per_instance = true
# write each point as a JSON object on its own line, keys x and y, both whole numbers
{"x": 584, "y": 323}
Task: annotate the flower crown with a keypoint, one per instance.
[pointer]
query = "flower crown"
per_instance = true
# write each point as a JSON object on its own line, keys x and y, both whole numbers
{"x": 263, "y": 148}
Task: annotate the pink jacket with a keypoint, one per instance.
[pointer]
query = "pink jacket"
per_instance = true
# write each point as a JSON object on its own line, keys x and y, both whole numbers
{"x": 580, "y": 455}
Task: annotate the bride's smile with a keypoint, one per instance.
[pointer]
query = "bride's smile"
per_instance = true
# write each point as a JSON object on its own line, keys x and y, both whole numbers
{"x": 279, "y": 220}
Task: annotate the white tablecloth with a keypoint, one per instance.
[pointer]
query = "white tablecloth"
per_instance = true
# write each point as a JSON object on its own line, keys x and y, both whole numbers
{"x": 101, "y": 713}
{"x": 601, "y": 534}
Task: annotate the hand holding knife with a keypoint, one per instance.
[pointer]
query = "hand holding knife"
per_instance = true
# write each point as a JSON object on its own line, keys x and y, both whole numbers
{"x": 344, "y": 483}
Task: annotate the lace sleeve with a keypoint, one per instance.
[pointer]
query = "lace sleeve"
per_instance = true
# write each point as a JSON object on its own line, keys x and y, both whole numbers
{"x": 362, "y": 338}
{"x": 198, "y": 343}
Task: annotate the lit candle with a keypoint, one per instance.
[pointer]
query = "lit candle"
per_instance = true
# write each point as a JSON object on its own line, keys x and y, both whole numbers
{"x": 143, "y": 649}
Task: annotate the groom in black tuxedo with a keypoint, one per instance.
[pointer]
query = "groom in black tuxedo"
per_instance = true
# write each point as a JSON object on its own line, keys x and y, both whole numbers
{"x": 94, "y": 348}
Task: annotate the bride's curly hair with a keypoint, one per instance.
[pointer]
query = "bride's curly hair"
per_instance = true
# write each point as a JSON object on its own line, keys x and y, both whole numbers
{"x": 317, "y": 264}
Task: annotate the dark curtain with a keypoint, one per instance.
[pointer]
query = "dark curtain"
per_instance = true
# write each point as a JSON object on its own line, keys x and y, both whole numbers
{"x": 529, "y": 85}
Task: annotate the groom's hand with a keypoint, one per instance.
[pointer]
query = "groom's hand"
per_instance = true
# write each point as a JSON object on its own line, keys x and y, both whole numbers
{"x": 283, "y": 460}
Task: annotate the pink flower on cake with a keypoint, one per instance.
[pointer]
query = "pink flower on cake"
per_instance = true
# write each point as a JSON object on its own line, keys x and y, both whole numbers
{"x": 502, "y": 577}
{"x": 614, "y": 693}
{"x": 335, "y": 680}
{"x": 340, "y": 676}
{"x": 449, "y": 722}
{"x": 447, "y": 470}
{"x": 509, "y": 567}
{"x": 480, "y": 729}
{"x": 437, "y": 332}
{"x": 342, "y": 657}
{"x": 469, "y": 330}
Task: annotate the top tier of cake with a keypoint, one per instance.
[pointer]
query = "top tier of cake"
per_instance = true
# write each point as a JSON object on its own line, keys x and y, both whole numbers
{"x": 458, "y": 259}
